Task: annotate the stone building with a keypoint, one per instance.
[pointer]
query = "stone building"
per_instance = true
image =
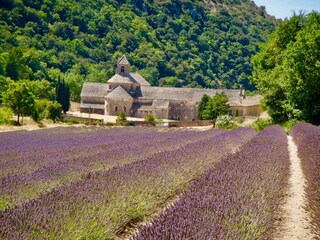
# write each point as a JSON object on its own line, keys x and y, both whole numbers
{"x": 130, "y": 93}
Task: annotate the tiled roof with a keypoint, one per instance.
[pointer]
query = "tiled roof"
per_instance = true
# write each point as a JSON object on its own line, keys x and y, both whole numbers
{"x": 94, "y": 90}
{"x": 123, "y": 61}
{"x": 119, "y": 93}
{"x": 248, "y": 101}
{"x": 160, "y": 104}
{"x": 139, "y": 79}
{"x": 119, "y": 79}
{"x": 183, "y": 94}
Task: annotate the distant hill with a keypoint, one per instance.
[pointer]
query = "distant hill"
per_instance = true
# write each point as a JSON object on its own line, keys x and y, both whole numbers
{"x": 171, "y": 43}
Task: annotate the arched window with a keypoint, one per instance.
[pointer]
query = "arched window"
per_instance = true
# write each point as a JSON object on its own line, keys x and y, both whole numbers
{"x": 125, "y": 109}
{"x": 116, "y": 109}
{"x": 122, "y": 69}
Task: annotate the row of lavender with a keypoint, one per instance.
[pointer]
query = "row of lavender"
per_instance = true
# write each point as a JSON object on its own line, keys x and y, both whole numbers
{"x": 307, "y": 139}
{"x": 33, "y": 163}
{"x": 237, "y": 199}
{"x": 102, "y": 204}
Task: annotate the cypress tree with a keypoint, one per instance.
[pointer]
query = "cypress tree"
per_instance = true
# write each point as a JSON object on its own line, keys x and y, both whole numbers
{"x": 63, "y": 95}
{"x": 205, "y": 101}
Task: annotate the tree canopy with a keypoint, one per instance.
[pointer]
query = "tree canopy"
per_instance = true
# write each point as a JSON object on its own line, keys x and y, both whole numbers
{"x": 19, "y": 97}
{"x": 211, "y": 108}
{"x": 171, "y": 43}
{"x": 287, "y": 70}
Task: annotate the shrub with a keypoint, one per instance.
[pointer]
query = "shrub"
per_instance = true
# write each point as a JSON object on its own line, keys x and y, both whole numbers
{"x": 225, "y": 122}
{"x": 150, "y": 118}
{"x": 54, "y": 111}
{"x": 71, "y": 121}
{"x": 289, "y": 124}
{"x": 261, "y": 124}
{"x": 239, "y": 119}
{"x": 6, "y": 115}
{"x": 109, "y": 124}
{"x": 40, "y": 109}
{"x": 122, "y": 117}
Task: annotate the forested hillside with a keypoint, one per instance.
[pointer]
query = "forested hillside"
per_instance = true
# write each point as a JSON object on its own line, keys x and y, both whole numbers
{"x": 171, "y": 43}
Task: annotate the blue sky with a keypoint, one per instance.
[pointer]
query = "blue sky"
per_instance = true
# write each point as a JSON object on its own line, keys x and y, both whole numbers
{"x": 284, "y": 8}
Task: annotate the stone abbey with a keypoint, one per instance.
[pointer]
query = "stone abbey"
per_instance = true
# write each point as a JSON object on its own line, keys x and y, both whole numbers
{"x": 130, "y": 93}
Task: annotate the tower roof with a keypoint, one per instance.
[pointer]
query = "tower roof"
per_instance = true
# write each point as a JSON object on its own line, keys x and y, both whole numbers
{"x": 123, "y": 61}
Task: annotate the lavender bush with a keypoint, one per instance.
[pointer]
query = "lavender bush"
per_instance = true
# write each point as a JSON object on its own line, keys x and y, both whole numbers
{"x": 307, "y": 138}
{"x": 102, "y": 204}
{"x": 52, "y": 158}
{"x": 237, "y": 199}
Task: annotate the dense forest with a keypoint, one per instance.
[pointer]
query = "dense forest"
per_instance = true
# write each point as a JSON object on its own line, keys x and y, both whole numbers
{"x": 171, "y": 43}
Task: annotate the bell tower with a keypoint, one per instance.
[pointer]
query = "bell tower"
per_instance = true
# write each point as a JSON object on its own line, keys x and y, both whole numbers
{"x": 123, "y": 66}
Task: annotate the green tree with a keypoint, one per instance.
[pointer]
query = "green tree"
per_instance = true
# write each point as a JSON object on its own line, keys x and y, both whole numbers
{"x": 287, "y": 70}
{"x": 63, "y": 95}
{"x": 14, "y": 63}
{"x": 43, "y": 89}
{"x": 219, "y": 105}
{"x": 203, "y": 105}
{"x": 211, "y": 108}
{"x": 19, "y": 98}
{"x": 3, "y": 86}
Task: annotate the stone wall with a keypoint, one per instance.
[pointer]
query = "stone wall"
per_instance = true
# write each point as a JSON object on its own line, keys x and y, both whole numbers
{"x": 252, "y": 111}
{"x": 160, "y": 113}
{"x": 183, "y": 111}
{"x": 92, "y": 110}
{"x": 114, "y": 107}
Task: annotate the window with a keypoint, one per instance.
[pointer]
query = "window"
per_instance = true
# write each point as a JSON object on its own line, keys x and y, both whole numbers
{"x": 122, "y": 69}
{"x": 125, "y": 109}
{"x": 116, "y": 109}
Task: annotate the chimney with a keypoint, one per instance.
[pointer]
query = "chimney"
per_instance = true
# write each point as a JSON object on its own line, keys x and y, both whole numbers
{"x": 241, "y": 91}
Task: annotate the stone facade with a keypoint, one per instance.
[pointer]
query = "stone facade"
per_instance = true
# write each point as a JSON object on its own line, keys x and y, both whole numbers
{"x": 130, "y": 93}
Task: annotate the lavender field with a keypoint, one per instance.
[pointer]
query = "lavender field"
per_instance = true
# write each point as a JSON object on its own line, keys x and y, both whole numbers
{"x": 103, "y": 183}
{"x": 307, "y": 138}
{"x": 236, "y": 199}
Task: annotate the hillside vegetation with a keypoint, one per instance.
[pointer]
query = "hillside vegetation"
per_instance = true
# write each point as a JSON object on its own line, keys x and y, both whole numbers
{"x": 287, "y": 70}
{"x": 171, "y": 43}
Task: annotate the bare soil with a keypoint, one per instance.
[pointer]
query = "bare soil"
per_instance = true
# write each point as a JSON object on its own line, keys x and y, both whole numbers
{"x": 295, "y": 223}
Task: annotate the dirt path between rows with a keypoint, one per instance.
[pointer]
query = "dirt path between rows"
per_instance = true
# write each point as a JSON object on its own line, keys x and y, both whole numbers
{"x": 295, "y": 220}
